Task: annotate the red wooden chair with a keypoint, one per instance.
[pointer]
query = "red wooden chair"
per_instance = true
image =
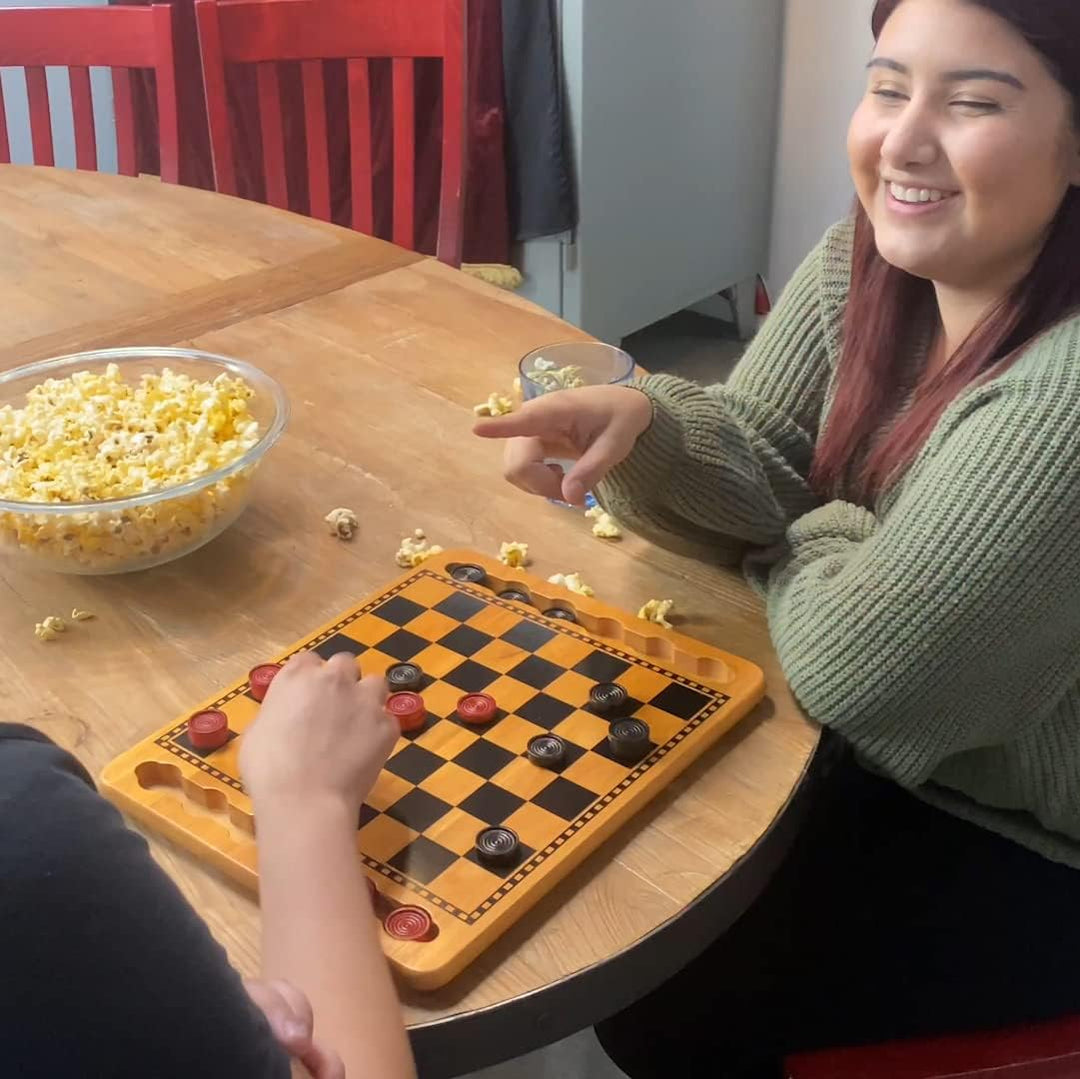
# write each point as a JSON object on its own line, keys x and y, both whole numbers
{"x": 311, "y": 32}
{"x": 1039, "y": 1051}
{"x": 78, "y": 39}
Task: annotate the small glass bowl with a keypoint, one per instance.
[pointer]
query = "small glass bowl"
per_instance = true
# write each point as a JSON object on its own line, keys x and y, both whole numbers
{"x": 121, "y": 535}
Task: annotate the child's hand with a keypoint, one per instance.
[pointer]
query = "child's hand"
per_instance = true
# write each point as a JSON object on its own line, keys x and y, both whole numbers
{"x": 288, "y": 1011}
{"x": 320, "y": 731}
{"x": 597, "y": 425}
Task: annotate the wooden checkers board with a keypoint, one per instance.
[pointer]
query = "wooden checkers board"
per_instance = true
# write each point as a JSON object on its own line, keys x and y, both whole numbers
{"x": 448, "y": 781}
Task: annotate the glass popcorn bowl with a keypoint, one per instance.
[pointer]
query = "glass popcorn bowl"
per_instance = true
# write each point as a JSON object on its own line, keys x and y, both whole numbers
{"x": 120, "y": 535}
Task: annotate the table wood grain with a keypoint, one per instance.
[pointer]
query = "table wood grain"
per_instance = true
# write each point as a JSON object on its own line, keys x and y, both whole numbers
{"x": 382, "y": 353}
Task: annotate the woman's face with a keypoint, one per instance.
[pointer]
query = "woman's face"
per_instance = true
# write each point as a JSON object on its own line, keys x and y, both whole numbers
{"x": 963, "y": 147}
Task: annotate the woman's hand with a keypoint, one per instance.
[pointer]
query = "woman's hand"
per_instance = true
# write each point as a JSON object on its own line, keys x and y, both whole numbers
{"x": 596, "y": 425}
{"x": 320, "y": 731}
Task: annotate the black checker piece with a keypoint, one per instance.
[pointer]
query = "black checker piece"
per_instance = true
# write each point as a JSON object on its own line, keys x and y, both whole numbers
{"x": 460, "y": 606}
{"x": 681, "y": 701}
{"x": 339, "y": 643}
{"x": 402, "y": 645}
{"x": 536, "y": 672}
{"x": 399, "y": 610}
{"x": 423, "y": 860}
{"x": 524, "y": 853}
{"x": 414, "y": 763}
{"x": 484, "y": 758}
{"x": 465, "y": 640}
{"x": 545, "y": 711}
{"x": 601, "y": 667}
{"x": 418, "y": 810}
{"x": 471, "y": 677}
{"x": 529, "y": 636}
{"x": 491, "y": 804}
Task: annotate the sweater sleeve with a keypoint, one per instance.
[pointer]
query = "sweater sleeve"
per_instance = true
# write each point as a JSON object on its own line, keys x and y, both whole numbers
{"x": 952, "y": 622}
{"x": 726, "y": 467}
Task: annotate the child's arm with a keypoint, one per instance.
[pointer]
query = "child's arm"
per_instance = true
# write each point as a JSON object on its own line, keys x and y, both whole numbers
{"x": 308, "y": 762}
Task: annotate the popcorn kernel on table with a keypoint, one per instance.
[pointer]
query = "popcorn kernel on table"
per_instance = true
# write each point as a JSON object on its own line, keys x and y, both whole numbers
{"x": 605, "y": 526}
{"x": 514, "y": 554}
{"x": 415, "y": 549}
{"x": 343, "y": 523}
{"x": 657, "y": 610}
{"x": 572, "y": 582}
{"x": 496, "y": 405}
{"x": 80, "y": 616}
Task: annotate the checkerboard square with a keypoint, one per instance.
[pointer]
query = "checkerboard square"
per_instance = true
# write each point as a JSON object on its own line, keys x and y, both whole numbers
{"x": 339, "y": 643}
{"x": 601, "y": 667}
{"x": 366, "y": 814}
{"x": 418, "y": 809}
{"x": 529, "y": 635}
{"x": 484, "y": 758}
{"x": 535, "y": 672}
{"x": 398, "y": 610}
{"x": 414, "y": 763}
{"x": 544, "y": 711}
{"x": 423, "y": 860}
{"x": 681, "y": 701}
{"x": 564, "y": 799}
{"x": 524, "y": 853}
{"x": 451, "y": 783}
{"x": 513, "y": 733}
{"x": 470, "y": 677}
{"x": 465, "y": 640}
{"x": 460, "y": 606}
{"x": 491, "y": 803}
{"x": 436, "y": 661}
{"x": 402, "y": 645}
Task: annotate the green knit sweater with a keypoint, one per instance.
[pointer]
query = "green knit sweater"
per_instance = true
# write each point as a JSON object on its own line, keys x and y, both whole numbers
{"x": 940, "y": 633}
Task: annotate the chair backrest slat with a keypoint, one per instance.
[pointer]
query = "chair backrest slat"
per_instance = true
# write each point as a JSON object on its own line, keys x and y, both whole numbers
{"x": 124, "y": 107}
{"x": 264, "y": 34}
{"x": 5, "y": 146}
{"x": 82, "y": 115}
{"x": 37, "y": 95}
{"x": 363, "y": 211}
{"x": 451, "y": 229}
{"x": 120, "y": 38}
{"x": 318, "y": 152}
{"x": 273, "y": 135}
{"x": 404, "y": 96}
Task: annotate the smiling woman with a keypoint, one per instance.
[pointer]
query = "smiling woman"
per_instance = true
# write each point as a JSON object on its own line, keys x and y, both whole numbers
{"x": 896, "y": 459}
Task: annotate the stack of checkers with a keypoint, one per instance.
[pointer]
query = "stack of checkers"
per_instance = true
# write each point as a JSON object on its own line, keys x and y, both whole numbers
{"x": 470, "y": 574}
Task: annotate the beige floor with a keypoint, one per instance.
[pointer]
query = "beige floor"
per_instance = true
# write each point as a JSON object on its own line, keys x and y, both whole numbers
{"x": 705, "y": 350}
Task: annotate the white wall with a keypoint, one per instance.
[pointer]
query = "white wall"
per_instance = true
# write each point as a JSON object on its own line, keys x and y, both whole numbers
{"x": 826, "y": 46}
{"x": 14, "y": 86}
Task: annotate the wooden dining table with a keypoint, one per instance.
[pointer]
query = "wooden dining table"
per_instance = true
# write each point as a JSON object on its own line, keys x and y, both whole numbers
{"x": 382, "y": 353}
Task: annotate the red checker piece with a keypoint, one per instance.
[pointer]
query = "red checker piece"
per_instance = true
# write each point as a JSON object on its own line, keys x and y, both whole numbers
{"x": 408, "y": 923}
{"x": 260, "y": 678}
{"x": 208, "y": 730}
{"x": 408, "y": 709}
{"x": 478, "y": 708}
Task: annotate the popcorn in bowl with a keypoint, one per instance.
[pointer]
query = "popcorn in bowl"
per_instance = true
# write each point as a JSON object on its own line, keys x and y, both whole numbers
{"x": 114, "y": 466}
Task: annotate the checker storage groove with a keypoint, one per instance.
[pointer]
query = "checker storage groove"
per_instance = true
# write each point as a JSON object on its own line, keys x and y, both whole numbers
{"x": 449, "y": 780}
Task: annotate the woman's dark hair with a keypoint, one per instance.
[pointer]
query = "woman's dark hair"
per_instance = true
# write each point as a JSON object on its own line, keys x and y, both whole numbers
{"x": 883, "y": 300}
